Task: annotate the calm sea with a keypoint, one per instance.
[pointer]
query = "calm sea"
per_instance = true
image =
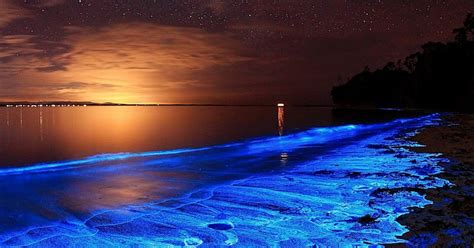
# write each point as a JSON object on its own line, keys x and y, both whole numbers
{"x": 39, "y": 135}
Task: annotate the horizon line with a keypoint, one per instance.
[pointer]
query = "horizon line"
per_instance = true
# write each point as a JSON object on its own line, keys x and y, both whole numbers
{"x": 89, "y": 103}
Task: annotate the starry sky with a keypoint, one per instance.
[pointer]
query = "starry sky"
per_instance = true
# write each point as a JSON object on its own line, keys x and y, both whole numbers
{"x": 207, "y": 51}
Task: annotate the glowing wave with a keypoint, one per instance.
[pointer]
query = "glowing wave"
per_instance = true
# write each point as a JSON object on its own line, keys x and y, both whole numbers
{"x": 315, "y": 135}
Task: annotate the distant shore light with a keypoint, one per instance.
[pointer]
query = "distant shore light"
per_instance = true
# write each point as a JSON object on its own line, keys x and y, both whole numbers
{"x": 281, "y": 105}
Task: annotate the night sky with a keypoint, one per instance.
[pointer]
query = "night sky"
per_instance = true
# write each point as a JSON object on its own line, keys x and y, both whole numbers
{"x": 206, "y": 51}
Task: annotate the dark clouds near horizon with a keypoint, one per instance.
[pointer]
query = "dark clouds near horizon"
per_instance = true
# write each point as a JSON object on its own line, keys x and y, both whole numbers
{"x": 206, "y": 51}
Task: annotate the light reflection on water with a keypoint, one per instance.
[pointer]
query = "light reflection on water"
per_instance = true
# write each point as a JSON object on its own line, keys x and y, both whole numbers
{"x": 114, "y": 190}
{"x": 281, "y": 120}
{"x": 34, "y": 135}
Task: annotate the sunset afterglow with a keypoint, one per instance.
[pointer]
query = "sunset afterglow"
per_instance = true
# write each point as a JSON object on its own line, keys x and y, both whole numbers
{"x": 200, "y": 51}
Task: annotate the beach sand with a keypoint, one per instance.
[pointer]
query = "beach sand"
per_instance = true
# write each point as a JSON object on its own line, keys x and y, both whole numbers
{"x": 449, "y": 221}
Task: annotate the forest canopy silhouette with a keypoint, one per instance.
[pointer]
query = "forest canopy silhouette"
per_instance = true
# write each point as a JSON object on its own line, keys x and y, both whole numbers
{"x": 441, "y": 76}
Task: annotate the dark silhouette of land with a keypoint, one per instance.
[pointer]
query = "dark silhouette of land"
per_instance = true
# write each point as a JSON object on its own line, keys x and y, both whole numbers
{"x": 75, "y": 103}
{"x": 66, "y": 103}
{"x": 441, "y": 76}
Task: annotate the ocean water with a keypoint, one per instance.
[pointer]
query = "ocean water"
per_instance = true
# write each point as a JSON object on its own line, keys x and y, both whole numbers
{"x": 289, "y": 187}
{"x": 34, "y": 135}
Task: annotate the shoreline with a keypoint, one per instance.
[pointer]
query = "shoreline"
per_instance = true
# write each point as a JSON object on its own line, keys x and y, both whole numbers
{"x": 449, "y": 220}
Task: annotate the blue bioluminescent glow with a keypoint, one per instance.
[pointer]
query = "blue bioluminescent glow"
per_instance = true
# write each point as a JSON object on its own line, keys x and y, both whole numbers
{"x": 307, "y": 188}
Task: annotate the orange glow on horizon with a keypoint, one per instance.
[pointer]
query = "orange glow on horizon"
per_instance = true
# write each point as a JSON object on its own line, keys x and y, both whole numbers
{"x": 133, "y": 63}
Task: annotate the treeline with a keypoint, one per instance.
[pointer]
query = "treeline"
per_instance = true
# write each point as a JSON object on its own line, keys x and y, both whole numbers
{"x": 441, "y": 76}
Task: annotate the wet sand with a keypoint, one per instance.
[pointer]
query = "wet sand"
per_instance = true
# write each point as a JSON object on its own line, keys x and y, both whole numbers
{"x": 449, "y": 221}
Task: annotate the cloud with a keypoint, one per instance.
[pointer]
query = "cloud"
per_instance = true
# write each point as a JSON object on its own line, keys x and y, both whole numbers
{"x": 49, "y": 3}
{"x": 25, "y": 87}
{"x": 52, "y": 68}
{"x": 19, "y": 53}
{"x": 151, "y": 47}
{"x": 139, "y": 62}
{"x": 217, "y": 6}
{"x": 9, "y": 12}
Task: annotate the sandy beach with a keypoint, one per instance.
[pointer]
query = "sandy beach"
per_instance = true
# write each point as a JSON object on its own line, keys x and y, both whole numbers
{"x": 449, "y": 221}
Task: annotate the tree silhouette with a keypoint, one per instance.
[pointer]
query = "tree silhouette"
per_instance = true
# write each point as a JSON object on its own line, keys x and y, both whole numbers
{"x": 462, "y": 33}
{"x": 440, "y": 76}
